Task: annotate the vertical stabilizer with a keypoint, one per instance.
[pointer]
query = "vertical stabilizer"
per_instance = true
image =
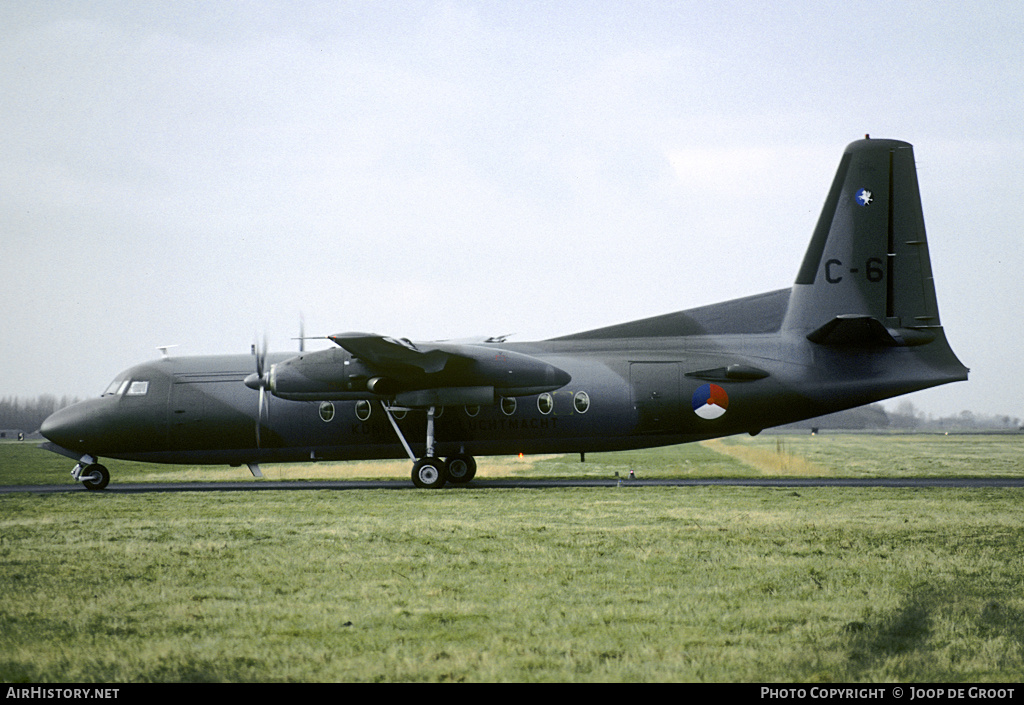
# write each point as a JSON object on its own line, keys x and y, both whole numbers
{"x": 867, "y": 276}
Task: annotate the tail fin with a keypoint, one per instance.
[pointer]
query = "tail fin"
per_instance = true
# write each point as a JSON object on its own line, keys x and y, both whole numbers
{"x": 866, "y": 278}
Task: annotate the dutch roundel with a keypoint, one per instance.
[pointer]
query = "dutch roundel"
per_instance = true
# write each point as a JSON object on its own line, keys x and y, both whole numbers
{"x": 710, "y": 401}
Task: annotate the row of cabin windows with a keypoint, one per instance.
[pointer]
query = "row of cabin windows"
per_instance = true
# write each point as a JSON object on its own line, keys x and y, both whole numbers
{"x": 545, "y": 405}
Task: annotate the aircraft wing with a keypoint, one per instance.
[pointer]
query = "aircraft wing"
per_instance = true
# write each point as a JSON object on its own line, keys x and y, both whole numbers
{"x": 414, "y": 375}
{"x": 386, "y": 352}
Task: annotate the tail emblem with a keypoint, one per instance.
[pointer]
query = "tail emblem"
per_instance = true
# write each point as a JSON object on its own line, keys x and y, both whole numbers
{"x": 864, "y": 197}
{"x": 710, "y": 401}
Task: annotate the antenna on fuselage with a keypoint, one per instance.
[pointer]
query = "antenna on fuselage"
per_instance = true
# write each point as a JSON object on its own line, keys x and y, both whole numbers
{"x": 163, "y": 350}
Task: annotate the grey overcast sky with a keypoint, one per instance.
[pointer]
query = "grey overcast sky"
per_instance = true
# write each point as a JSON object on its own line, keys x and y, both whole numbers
{"x": 202, "y": 173}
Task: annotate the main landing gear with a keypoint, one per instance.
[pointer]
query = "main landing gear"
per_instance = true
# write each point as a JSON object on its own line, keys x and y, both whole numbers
{"x": 430, "y": 472}
{"x": 91, "y": 474}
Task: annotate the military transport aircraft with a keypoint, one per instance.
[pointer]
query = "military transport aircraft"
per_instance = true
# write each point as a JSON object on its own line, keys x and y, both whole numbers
{"x": 860, "y": 324}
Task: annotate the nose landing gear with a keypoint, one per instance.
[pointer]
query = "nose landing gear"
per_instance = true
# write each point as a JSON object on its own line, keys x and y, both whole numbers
{"x": 91, "y": 474}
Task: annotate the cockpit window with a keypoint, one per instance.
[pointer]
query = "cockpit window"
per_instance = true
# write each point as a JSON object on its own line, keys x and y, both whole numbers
{"x": 137, "y": 388}
{"x": 116, "y": 387}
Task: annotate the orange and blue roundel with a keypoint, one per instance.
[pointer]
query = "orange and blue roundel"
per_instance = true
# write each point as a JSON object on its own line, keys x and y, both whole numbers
{"x": 710, "y": 401}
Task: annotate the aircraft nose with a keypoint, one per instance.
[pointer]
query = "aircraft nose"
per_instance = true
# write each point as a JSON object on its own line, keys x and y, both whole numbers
{"x": 75, "y": 427}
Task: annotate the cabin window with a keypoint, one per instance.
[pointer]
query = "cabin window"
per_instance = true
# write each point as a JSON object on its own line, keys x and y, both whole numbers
{"x": 508, "y": 405}
{"x": 581, "y": 402}
{"x": 545, "y": 403}
{"x": 472, "y": 411}
{"x": 326, "y": 411}
{"x": 137, "y": 388}
{"x": 363, "y": 409}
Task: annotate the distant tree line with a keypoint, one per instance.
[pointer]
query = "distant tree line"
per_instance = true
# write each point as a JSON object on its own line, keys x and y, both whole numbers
{"x": 27, "y": 414}
{"x": 907, "y": 417}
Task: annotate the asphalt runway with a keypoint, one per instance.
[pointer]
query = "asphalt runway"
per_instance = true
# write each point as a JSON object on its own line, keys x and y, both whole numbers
{"x": 483, "y": 484}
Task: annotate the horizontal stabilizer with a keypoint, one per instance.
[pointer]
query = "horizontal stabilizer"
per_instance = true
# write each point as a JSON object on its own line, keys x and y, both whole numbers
{"x": 852, "y": 330}
{"x": 865, "y": 331}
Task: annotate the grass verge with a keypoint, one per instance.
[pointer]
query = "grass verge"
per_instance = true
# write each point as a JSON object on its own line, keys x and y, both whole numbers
{"x": 577, "y": 584}
{"x": 623, "y": 584}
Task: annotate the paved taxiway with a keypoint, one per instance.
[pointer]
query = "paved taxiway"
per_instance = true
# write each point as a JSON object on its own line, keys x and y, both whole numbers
{"x": 270, "y": 485}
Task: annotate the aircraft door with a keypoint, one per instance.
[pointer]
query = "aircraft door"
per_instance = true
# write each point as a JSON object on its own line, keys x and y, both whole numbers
{"x": 186, "y": 413}
{"x": 210, "y": 414}
{"x": 655, "y": 387}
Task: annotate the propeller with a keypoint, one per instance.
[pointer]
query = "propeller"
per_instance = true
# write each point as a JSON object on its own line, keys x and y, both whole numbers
{"x": 261, "y": 381}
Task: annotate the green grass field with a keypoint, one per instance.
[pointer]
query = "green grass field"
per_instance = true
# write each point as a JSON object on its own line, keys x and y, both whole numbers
{"x": 828, "y": 455}
{"x": 623, "y": 583}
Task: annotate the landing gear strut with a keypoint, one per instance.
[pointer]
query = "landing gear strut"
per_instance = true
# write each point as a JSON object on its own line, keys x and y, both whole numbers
{"x": 91, "y": 474}
{"x": 430, "y": 472}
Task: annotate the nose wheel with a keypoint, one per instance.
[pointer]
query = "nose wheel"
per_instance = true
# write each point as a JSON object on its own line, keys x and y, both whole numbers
{"x": 93, "y": 476}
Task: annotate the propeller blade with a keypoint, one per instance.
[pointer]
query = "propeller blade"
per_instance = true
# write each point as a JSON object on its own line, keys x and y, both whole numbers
{"x": 261, "y": 357}
{"x": 260, "y": 381}
{"x": 259, "y": 414}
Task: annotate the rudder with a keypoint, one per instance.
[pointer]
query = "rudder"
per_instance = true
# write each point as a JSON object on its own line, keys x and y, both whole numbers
{"x": 867, "y": 277}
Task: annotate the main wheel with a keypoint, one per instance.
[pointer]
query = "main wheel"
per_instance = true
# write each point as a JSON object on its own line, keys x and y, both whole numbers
{"x": 461, "y": 468}
{"x": 95, "y": 477}
{"x": 429, "y": 473}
